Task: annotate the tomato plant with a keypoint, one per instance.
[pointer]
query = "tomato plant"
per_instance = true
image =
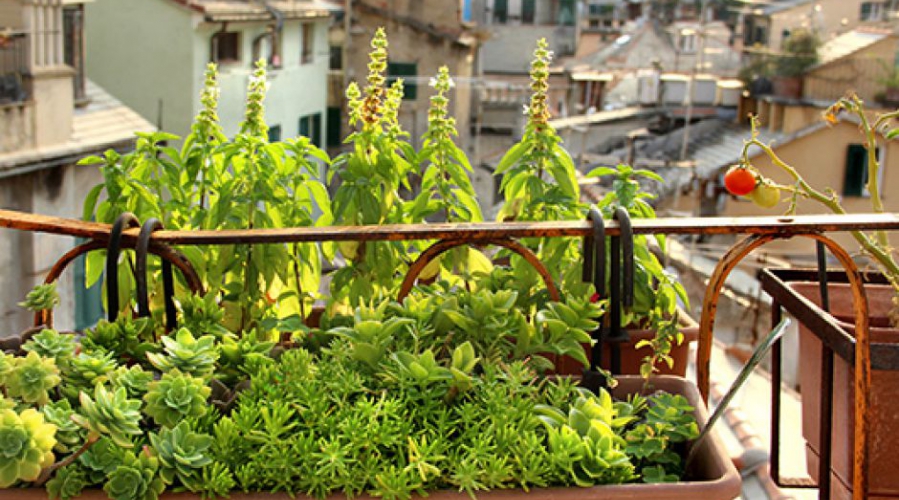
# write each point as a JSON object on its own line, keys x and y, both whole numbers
{"x": 765, "y": 195}
{"x": 739, "y": 180}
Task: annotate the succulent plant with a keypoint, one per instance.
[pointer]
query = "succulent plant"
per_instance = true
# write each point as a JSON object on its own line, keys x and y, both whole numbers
{"x": 135, "y": 478}
{"x": 217, "y": 480}
{"x": 242, "y": 356}
{"x": 26, "y": 444}
{"x": 69, "y": 435}
{"x": 176, "y": 396}
{"x": 134, "y": 379}
{"x": 196, "y": 356}
{"x": 125, "y": 337}
{"x": 6, "y": 362}
{"x": 85, "y": 371}
{"x": 67, "y": 483}
{"x": 182, "y": 453}
{"x": 110, "y": 414}
{"x": 101, "y": 459}
{"x": 31, "y": 378}
{"x": 41, "y": 297}
{"x": 52, "y": 344}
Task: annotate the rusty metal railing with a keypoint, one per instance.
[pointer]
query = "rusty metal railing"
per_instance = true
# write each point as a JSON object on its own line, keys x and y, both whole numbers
{"x": 760, "y": 231}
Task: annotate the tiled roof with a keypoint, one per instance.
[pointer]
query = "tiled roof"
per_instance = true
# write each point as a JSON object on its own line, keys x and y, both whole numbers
{"x": 848, "y": 43}
{"x": 103, "y": 124}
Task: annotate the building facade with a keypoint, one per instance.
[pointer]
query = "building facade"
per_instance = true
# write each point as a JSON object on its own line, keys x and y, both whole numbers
{"x": 151, "y": 54}
{"x": 51, "y": 116}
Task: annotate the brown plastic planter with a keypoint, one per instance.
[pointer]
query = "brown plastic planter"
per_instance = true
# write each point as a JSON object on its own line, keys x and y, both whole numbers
{"x": 883, "y": 434}
{"x": 712, "y": 477}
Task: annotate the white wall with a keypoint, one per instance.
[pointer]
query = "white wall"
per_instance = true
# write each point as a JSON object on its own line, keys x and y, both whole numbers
{"x": 140, "y": 51}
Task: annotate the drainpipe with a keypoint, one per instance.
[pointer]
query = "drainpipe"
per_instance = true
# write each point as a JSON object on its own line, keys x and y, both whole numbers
{"x": 700, "y": 49}
{"x": 276, "y": 36}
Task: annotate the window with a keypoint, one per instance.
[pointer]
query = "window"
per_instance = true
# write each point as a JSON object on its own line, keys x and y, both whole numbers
{"x": 268, "y": 46}
{"x": 687, "y": 41}
{"x": 311, "y": 127}
{"x": 335, "y": 59}
{"x": 274, "y": 133}
{"x": 528, "y": 11}
{"x": 73, "y": 46}
{"x": 500, "y": 11}
{"x": 871, "y": 11}
{"x": 856, "y": 171}
{"x": 394, "y": 70}
{"x": 334, "y": 132}
{"x": 308, "y": 40}
{"x": 566, "y": 13}
{"x": 225, "y": 47}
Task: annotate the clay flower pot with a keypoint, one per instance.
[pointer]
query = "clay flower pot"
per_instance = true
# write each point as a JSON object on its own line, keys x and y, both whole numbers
{"x": 884, "y": 393}
{"x": 712, "y": 476}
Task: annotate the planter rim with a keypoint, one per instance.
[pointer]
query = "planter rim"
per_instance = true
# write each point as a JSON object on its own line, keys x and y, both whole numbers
{"x": 712, "y": 457}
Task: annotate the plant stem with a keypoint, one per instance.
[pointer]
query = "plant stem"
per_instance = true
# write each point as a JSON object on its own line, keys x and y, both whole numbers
{"x": 46, "y": 473}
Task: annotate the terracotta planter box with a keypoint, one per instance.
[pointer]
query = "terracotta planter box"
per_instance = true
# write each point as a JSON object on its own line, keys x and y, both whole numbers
{"x": 884, "y": 403}
{"x": 712, "y": 477}
{"x": 632, "y": 358}
{"x": 788, "y": 86}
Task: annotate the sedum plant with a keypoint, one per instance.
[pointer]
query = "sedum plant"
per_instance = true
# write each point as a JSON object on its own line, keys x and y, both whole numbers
{"x": 51, "y": 344}
{"x": 184, "y": 352}
{"x": 85, "y": 371}
{"x": 182, "y": 453}
{"x": 174, "y": 397}
{"x": 135, "y": 478}
{"x": 26, "y": 445}
{"x": 31, "y": 378}
{"x": 41, "y": 297}
{"x": 110, "y": 414}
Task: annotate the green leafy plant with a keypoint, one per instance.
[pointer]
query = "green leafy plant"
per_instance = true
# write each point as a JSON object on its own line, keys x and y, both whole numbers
{"x": 85, "y": 371}
{"x": 539, "y": 183}
{"x": 800, "y": 52}
{"x": 371, "y": 176}
{"x": 656, "y": 292}
{"x": 125, "y": 338}
{"x": 216, "y": 183}
{"x": 26, "y": 444}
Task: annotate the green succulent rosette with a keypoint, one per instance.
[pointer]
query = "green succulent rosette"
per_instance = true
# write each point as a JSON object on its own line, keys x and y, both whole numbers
{"x": 176, "y": 396}
{"x": 31, "y": 378}
{"x": 136, "y": 478}
{"x": 52, "y": 344}
{"x": 182, "y": 453}
{"x": 26, "y": 444}
{"x": 196, "y": 356}
{"x": 67, "y": 483}
{"x": 110, "y": 414}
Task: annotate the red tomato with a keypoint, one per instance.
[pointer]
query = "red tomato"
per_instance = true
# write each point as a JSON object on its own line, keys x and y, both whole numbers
{"x": 739, "y": 180}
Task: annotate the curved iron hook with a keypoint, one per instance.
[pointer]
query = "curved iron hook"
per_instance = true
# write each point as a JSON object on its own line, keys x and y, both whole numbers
{"x": 594, "y": 252}
{"x": 168, "y": 284}
{"x": 112, "y": 262}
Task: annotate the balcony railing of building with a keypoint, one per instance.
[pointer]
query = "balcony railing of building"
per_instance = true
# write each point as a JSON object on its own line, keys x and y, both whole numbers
{"x": 15, "y": 77}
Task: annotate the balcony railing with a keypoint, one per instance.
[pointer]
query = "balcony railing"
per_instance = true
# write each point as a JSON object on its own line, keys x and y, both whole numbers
{"x": 14, "y": 74}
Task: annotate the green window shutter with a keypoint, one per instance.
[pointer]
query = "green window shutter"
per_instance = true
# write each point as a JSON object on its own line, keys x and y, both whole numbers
{"x": 856, "y": 170}
{"x": 528, "y": 11}
{"x": 274, "y": 133}
{"x": 500, "y": 11}
{"x": 316, "y": 136}
{"x": 305, "y": 126}
{"x": 404, "y": 70}
{"x": 334, "y": 122}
